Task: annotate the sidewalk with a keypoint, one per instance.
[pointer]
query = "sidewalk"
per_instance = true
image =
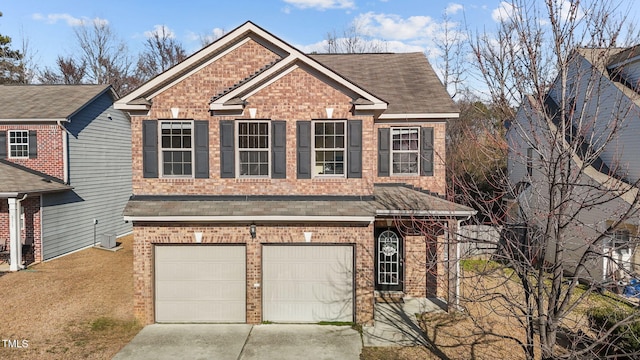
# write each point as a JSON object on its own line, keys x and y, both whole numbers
{"x": 396, "y": 323}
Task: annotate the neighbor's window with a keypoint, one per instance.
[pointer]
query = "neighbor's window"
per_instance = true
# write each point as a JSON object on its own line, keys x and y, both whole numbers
{"x": 253, "y": 148}
{"x": 177, "y": 148}
{"x": 405, "y": 150}
{"x": 18, "y": 143}
{"x": 529, "y": 161}
{"x": 329, "y": 148}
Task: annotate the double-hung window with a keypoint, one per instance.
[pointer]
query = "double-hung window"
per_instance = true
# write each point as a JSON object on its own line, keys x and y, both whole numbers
{"x": 405, "y": 151}
{"x": 176, "y": 147}
{"x": 329, "y": 148}
{"x": 253, "y": 148}
{"x": 18, "y": 143}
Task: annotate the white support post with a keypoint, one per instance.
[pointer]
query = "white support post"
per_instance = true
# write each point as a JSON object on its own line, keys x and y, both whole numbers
{"x": 14, "y": 235}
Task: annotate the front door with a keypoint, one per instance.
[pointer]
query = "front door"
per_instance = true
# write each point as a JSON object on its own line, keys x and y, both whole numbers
{"x": 389, "y": 261}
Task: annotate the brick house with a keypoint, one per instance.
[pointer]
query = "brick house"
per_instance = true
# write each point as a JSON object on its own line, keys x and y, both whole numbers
{"x": 271, "y": 185}
{"x": 65, "y": 162}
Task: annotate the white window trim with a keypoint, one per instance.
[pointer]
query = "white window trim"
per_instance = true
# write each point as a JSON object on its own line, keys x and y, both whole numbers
{"x": 161, "y": 151}
{"x": 9, "y": 144}
{"x": 391, "y": 151}
{"x": 237, "y": 149}
{"x": 313, "y": 150}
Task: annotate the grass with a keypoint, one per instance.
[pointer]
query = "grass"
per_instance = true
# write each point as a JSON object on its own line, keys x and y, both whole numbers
{"x": 79, "y": 306}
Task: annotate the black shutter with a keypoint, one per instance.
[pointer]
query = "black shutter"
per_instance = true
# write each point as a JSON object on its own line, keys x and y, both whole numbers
{"x": 383, "y": 152}
{"x": 303, "y": 153}
{"x": 149, "y": 149}
{"x": 3, "y": 145}
{"x": 354, "y": 145}
{"x": 227, "y": 149}
{"x": 278, "y": 150}
{"x": 201, "y": 138}
{"x": 33, "y": 144}
{"x": 426, "y": 153}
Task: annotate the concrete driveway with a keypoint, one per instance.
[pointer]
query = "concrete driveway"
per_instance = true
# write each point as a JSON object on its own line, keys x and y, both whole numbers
{"x": 243, "y": 342}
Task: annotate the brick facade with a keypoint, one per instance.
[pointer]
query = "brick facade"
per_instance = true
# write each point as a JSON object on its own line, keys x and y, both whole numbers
{"x": 147, "y": 235}
{"x": 50, "y": 161}
{"x": 50, "y": 149}
{"x": 298, "y": 95}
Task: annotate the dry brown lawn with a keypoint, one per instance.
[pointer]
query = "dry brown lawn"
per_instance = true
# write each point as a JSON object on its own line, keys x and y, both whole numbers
{"x": 79, "y": 306}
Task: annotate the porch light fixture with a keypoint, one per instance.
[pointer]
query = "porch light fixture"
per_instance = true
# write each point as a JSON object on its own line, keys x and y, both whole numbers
{"x": 389, "y": 222}
{"x": 252, "y": 231}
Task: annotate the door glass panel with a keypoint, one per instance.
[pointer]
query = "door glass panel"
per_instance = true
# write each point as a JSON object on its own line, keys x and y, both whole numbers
{"x": 388, "y": 258}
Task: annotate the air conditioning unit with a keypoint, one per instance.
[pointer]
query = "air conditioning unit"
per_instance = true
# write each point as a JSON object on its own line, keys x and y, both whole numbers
{"x": 108, "y": 241}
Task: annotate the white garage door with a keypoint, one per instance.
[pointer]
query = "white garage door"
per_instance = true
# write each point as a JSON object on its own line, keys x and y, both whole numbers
{"x": 200, "y": 283}
{"x": 307, "y": 283}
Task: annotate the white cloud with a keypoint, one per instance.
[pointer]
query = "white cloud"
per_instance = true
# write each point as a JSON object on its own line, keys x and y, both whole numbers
{"x": 453, "y": 8}
{"x": 161, "y": 31}
{"x": 390, "y": 26}
{"x": 69, "y": 19}
{"x": 503, "y": 12}
{"x": 322, "y": 4}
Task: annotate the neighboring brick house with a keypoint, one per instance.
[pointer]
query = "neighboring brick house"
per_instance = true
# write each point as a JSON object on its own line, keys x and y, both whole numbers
{"x": 65, "y": 161}
{"x": 270, "y": 185}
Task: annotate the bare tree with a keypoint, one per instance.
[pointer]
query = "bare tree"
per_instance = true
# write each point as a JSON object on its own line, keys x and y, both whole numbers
{"x": 452, "y": 45}
{"x": 67, "y": 71}
{"x": 162, "y": 51}
{"x": 352, "y": 41}
{"x": 102, "y": 58}
{"x": 571, "y": 186}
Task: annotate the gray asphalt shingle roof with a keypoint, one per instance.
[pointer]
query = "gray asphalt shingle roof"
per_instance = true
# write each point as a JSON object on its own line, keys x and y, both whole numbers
{"x": 15, "y": 179}
{"x": 405, "y": 80}
{"x": 45, "y": 101}
{"x": 386, "y": 198}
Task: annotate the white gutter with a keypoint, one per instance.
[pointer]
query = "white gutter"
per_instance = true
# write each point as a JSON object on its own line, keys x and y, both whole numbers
{"x": 35, "y": 120}
{"x": 243, "y": 218}
{"x": 468, "y": 213}
{"x": 65, "y": 153}
{"x": 8, "y": 194}
{"x": 419, "y": 116}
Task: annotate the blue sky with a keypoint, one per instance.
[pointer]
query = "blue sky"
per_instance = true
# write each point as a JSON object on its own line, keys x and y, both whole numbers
{"x": 404, "y": 25}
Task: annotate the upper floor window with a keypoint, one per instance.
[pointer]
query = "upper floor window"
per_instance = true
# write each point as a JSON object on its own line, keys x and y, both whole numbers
{"x": 18, "y": 143}
{"x": 405, "y": 151}
{"x": 329, "y": 148}
{"x": 529, "y": 161}
{"x": 176, "y": 146}
{"x": 253, "y": 148}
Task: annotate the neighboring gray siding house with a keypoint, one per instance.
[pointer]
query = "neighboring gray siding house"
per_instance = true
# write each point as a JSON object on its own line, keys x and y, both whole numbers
{"x": 71, "y": 139}
{"x": 601, "y": 95}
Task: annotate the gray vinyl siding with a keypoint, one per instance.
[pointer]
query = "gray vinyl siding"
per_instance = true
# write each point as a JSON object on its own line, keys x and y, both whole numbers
{"x": 606, "y": 104}
{"x": 100, "y": 173}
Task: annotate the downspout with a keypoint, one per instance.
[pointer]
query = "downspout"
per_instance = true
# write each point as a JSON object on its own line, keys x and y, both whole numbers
{"x": 65, "y": 152}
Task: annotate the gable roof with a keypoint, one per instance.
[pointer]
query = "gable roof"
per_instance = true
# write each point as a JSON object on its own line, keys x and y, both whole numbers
{"x": 16, "y": 179}
{"x": 401, "y": 79}
{"x": 46, "y": 102}
{"x": 388, "y": 83}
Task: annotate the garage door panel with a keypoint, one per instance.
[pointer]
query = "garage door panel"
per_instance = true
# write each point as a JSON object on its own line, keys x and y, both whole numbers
{"x": 200, "y": 283}
{"x": 307, "y": 283}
